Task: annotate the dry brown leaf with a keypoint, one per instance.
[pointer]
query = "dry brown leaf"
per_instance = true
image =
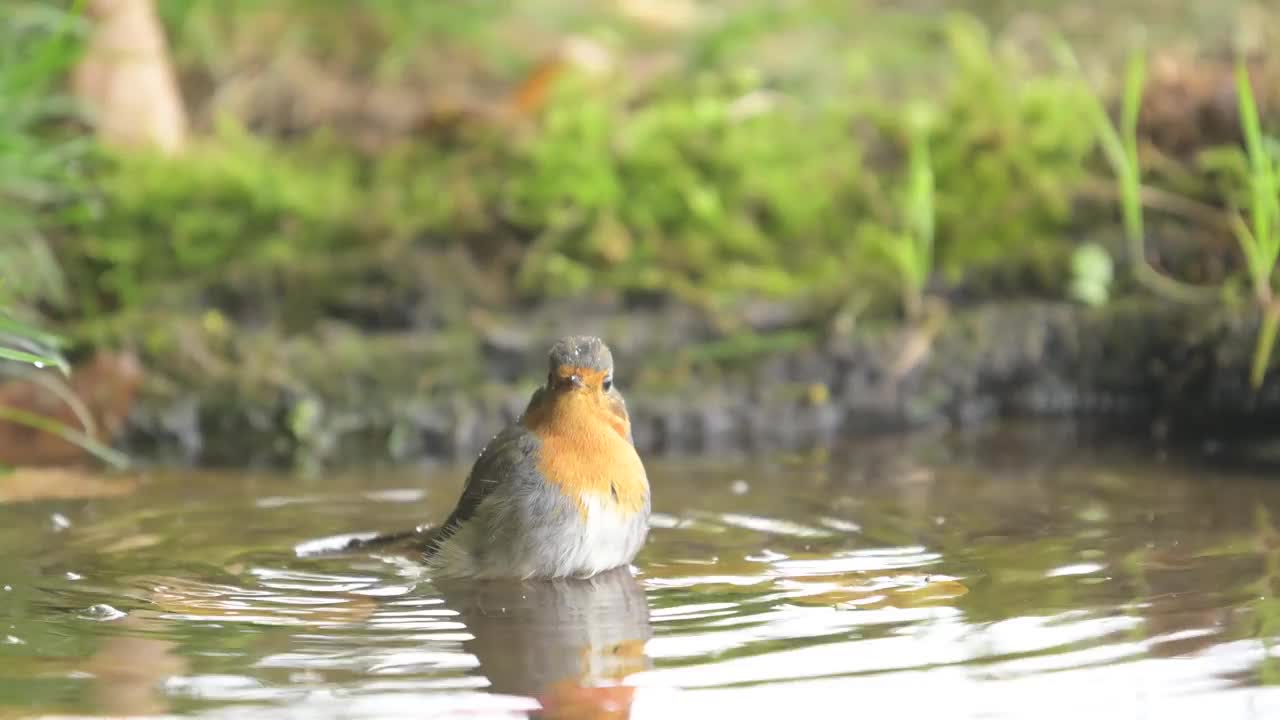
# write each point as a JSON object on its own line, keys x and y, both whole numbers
{"x": 106, "y": 386}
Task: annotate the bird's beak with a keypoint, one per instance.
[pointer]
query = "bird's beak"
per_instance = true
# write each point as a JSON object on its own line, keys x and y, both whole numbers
{"x": 576, "y": 380}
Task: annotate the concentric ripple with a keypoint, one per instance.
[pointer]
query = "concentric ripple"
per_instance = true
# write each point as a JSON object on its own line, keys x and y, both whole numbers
{"x": 1113, "y": 585}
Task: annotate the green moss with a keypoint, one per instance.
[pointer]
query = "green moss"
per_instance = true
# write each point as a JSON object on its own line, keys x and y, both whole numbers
{"x": 234, "y": 202}
{"x": 724, "y": 185}
{"x": 1009, "y": 154}
{"x": 693, "y": 189}
{"x": 730, "y": 177}
{"x": 235, "y": 210}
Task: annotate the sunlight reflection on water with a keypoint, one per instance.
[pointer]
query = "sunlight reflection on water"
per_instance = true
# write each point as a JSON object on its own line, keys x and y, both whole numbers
{"x": 1050, "y": 589}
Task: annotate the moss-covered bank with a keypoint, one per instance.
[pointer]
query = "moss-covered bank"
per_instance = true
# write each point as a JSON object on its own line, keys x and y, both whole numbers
{"x": 790, "y": 221}
{"x": 722, "y": 165}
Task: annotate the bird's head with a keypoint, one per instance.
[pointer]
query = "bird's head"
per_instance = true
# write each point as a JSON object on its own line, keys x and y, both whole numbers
{"x": 579, "y": 391}
{"x": 580, "y": 364}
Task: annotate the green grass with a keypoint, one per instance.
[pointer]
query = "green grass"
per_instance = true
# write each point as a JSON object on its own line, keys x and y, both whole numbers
{"x": 1260, "y": 239}
{"x": 911, "y": 250}
{"x": 770, "y": 160}
{"x": 41, "y": 169}
{"x": 38, "y": 173}
{"x": 41, "y": 182}
{"x": 23, "y": 346}
{"x": 1120, "y": 146}
{"x": 36, "y": 47}
{"x": 23, "y": 343}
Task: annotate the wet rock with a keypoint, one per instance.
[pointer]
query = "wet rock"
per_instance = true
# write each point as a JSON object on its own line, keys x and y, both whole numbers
{"x": 163, "y": 430}
{"x": 644, "y": 430}
{"x": 101, "y": 613}
{"x": 431, "y": 433}
{"x": 348, "y": 398}
{"x": 717, "y": 428}
{"x": 511, "y": 351}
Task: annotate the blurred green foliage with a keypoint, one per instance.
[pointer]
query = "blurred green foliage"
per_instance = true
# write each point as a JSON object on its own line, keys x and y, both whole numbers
{"x": 719, "y": 187}
{"x": 762, "y": 165}
{"x": 385, "y": 39}
{"x": 723, "y": 185}
{"x": 41, "y": 151}
{"x": 40, "y": 172}
{"x": 226, "y": 204}
{"x": 1010, "y": 150}
{"x": 715, "y": 187}
{"x": 42, "y": 183}
{"x": 1260, "y": 238}
{"x": 237, "y": 207}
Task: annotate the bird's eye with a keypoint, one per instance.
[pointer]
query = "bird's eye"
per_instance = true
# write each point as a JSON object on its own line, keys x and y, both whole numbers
{"x": 607, "y": 384}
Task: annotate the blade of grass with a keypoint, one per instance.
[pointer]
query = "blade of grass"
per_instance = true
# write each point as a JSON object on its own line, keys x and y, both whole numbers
{"x": 25, "y": 344}
{"x": 1266, "y": 343}
{"x": 34, "y": 359}
{"x": 1252, "y": 253}
{"x": 920, "y": 206}
{"x": 62, "y": 390}
{"x": 15, "y": 328}
{"x": 112, "y": 457}
{"x": 1131, "y": 175}
{"x": 1263, "y": 244}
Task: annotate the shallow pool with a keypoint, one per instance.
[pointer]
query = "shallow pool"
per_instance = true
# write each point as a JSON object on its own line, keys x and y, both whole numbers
{"x": 1016, "y": 573}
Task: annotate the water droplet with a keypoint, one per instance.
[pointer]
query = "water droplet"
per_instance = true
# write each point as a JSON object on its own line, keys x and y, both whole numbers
{"x": 60, "y": 521}
{"x": 8, "y": 588}
{"x": 101, "y": 612}
{"x": 14, "y": 640}
{"x": 39, "y": 365}
{"x": 74, "y": 576}
{"x": 739, "y": 487}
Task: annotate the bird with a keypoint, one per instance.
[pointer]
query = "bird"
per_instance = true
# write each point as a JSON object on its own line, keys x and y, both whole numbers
{"x": 569, "y": 644}
{"x": 561, "y": 492}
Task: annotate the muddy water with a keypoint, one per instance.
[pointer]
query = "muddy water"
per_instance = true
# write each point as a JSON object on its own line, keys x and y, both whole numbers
{"x": 1015, "y": 574}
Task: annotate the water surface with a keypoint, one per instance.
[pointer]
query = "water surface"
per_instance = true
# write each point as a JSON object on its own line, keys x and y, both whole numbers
{"x": 1012, "y": 574}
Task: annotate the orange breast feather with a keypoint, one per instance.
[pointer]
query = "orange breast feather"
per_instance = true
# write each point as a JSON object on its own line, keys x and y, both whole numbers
{"x": 586, "y": 454}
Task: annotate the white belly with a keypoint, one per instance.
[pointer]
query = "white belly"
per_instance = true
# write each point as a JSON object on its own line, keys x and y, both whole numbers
{"x": 587, "y": 543}
{"x": 608, "y": 539}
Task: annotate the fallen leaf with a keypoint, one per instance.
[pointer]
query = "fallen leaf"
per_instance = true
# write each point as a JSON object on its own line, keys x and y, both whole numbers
{"x": 105, "y": 386}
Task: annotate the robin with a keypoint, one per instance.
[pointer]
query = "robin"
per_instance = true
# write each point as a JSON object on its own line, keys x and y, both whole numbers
{"x": 560, "y": 493}
{"x": 571, "y": 645}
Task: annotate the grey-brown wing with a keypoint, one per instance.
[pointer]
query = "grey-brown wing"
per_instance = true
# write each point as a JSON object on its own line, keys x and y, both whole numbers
{"x": 499, "y": 460}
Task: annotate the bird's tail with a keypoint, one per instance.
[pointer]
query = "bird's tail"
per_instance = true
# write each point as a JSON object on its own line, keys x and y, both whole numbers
{"x": 352, "y": 543}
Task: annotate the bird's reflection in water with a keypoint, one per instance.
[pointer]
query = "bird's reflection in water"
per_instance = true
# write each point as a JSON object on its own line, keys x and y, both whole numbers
{"x": 569, "y": 644}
